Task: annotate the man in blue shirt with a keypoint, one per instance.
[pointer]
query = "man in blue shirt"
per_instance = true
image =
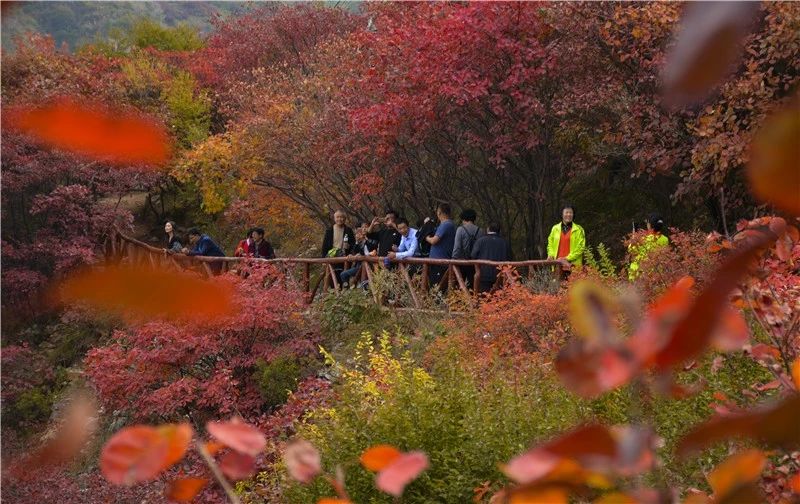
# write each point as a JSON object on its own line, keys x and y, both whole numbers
{"x": 408, "y": 241}
{"x": 442, "y": 242}
{"x": 203, "y": 245}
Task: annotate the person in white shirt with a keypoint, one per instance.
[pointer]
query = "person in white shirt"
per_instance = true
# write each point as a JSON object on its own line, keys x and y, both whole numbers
{"x": 408, "y": 241}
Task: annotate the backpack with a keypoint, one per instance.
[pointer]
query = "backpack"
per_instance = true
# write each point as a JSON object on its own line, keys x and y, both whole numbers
{"x": 470, "y": 241}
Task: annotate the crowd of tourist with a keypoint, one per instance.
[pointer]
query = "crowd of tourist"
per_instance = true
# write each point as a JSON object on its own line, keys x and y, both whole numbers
{"x": 393, "y": 239}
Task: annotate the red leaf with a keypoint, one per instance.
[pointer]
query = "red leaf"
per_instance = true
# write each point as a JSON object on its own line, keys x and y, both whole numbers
{"x": 794, "y": 483}
{"x": 140, "y": 453}
{"x": 693, "y": 332}
{"x": 405, "y": 469}
{"x": 184, "y": 490}
{"x": 302, "y": 460}
{"x": 594, "y": 447}
{"x": 736, "y": 470}
{"x": 775, "y": 425}
{"x": 765, "y": 352}
{"x": 95, "y": 131}
{"x": 772, "y": 170}
{"x": 237, "y": 466}
{"x": 731, "y": 333}
{"x": 238, "y": 435}
{"x": 706, "y": 48}
{"x": 767, "y": 386}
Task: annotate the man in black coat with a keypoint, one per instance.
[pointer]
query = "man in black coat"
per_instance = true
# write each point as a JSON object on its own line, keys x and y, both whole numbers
{"x": 491, "y": 247}
{"x": 388, "y": 237}
{"x": 338, "y": 238}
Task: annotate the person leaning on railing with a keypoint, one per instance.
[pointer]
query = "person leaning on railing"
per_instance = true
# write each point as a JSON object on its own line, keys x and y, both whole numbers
{"x": 173, "y": 242}
{"x": 363, "y": 247}
{"x": 408, "y": 241}
{"x": 491, "y": 247}
{"x": 442, "y": 243}
{"x": 567, "y": 240}
{"x": 203, "y": 245}
{"x": 466, "y": 236}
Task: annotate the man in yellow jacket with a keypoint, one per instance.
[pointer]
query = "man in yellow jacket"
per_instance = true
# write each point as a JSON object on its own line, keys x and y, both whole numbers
{"x": 567, "y": 240}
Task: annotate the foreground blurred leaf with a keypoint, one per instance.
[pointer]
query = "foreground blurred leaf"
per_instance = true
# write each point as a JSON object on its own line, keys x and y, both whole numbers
{"x": 77, "y": 425}
{"x": 586, "y": 456}
{"x": 145, "y": 293}
{"x": 242, "y": 437}
{"x": 237, "y": 466}
{"x": 96, "y": 131}
{"x": 302, "y": 460}
{"x": 184, "y": 490}
{"x": 393, "y": 478}
{"x": 378, "y": 457}
{"x": 140, "y": 453}
{"x": 695, "y": 331}
{"x": 736, "y": 470}
{"x": 706, "y": 48}
{"x": 776, "y": 425}
{"x": 774, "y": 168}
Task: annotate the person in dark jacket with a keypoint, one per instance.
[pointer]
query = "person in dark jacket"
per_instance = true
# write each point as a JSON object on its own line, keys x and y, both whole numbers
{"x": 260, "y": 247}
{"x": 338, "y": 241}
{"x": 491, "y": 247}
{"x": 426, "y": 228}
{"x": 173, "y": 242}
{"x": 203, "y": 245}
{"x": 388, "y": 236}
{"x": 363, "y": 247}
{"x": 466, "y": 236}
{"x": 338, "y": 238}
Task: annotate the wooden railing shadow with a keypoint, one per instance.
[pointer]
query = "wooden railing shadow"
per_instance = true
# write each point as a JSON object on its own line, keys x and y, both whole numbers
{"x": 120, "y": 247}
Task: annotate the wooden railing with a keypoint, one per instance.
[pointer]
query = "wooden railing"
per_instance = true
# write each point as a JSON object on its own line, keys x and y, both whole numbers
{"x": 122, "y": 248}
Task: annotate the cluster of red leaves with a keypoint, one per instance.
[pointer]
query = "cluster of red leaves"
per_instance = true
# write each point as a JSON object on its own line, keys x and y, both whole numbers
{"x": 141, "y": 453}
{"x": 57, "y": 205}
{"x": 394, "y": 469}
{"x": 674, "y": 330}
{"x": 515, "y": 318}
{"x": 160, "y": 369}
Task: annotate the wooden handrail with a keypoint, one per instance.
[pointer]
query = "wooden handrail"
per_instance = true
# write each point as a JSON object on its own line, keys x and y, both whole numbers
{"x": 138, "y": 252}
{"x": 353, "y": 258}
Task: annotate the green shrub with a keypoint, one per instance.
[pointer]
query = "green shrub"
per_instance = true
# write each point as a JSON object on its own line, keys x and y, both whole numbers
{"x": 602, "y": 263}
{"x": 31, "y": 408}
{"x": 673, "y": 418}
{"x": 465, "y": 426}
{"x": 280, "y": 376}
{"x": 337, "y": 312}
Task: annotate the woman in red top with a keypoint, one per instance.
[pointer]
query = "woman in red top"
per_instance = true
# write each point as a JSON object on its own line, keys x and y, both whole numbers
{"x": 243, "y": 248}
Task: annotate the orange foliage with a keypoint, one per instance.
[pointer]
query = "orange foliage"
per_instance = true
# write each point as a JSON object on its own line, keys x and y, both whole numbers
{"x": 378, "y": 457}
{"x": 95, "y": 131}
{"x": 534, "y": 321}
{"x": 773, "y": 169}
{"x": 144, "y": 293}
{"x": 140, "y": 453}
{"x": 184, "y": 490}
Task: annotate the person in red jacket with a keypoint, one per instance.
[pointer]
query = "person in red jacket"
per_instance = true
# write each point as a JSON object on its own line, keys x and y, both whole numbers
{"x": 243, "y": 248}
